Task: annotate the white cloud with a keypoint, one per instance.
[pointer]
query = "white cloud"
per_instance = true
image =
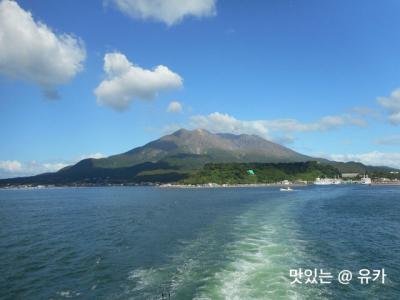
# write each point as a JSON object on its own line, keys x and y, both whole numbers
{"x": 96, "y": 155}
{"x": 49, "y": 167}
{"x": 224, "y": 123}
{"x": 10, "y": 165}
{"x": 167, "y": 11}
{"x": 374, "y": 158}
{"x": 30, "y": 50}
{"x": 126, "y": 81}
{"x": 219, "y": 122}
{"x": 14, "y": 168}
{"x": 392, "y": 105}
{"x": 174, "y": 107}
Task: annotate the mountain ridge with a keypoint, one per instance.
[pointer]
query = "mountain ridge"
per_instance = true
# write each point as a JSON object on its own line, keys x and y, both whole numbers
{"x": 221, "y": 146}
{"x": 175, "y": 156}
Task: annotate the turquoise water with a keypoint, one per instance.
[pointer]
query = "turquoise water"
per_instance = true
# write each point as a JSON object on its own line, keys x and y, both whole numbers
{"x": 143, "y": 243}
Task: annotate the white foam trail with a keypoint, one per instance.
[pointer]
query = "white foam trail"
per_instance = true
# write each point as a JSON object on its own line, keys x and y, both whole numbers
{"x": 266, "y": 248}
{"x": 264, "y": 245}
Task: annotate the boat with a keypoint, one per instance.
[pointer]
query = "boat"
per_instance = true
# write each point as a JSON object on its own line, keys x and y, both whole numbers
{"x": 366, "y": 180}
{"x": 288, "y": 189}
{"x": 328, "y": 181}
{"x": 323, "y": 181}
{"x": 337, "y": 180}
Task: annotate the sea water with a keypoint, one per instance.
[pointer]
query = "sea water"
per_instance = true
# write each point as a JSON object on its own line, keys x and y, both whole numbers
{"x": 221, "y": 243}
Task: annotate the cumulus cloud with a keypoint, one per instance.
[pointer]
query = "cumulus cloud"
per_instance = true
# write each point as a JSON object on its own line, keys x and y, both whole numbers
{"x": 15, "y": 168}
{"x": 392, "y": 106}
{"x": 10, "y": 165}
{"x": 325, "y": 123}
{"x": 373, "y": 158}
{"x": 126, "y": 81}
{"x": 174, "y": 107}
{"x": 224, "y": 123}
{"x": 49, "y": 167}
{"x": 167, "y": 11}
{"x": 31, "y": 51}
{"x": 96, "y": 155}
{"x": 219, "y": 122}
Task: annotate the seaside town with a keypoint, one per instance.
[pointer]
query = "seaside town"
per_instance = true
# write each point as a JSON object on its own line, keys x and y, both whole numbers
{"x": 344, "y": 179}
{"x": 347, "y": 178}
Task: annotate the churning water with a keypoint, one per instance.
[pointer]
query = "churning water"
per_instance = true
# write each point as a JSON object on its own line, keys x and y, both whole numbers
{"x": 152, "y": 243}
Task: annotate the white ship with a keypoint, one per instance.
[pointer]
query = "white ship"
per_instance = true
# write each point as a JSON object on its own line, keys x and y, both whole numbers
{"x": 337, "y": 181}
{"x": 288, "y": 189}
{"x": 323, "y": 181}
{"x": 366, "y": 180}
{"x": 327, "y": 181}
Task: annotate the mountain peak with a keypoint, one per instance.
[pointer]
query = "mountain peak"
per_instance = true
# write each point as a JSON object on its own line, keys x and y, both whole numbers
{"x": 223, "y": 146}
{"x": 184, "y": 131}
{"x": 179, "y": 132}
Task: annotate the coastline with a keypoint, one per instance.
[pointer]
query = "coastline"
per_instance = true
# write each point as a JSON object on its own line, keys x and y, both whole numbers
{"x": 157, "y": 185}
{"x": 186, "y": 186}
{"x": 215, "y": 185}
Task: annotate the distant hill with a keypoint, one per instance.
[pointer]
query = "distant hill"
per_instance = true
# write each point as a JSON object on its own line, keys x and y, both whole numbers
{"x": 355, "y": 167}
{"x": 176, "y": 156}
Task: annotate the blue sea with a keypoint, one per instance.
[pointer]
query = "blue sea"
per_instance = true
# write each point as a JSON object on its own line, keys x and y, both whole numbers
{"x": 222, "y": 243}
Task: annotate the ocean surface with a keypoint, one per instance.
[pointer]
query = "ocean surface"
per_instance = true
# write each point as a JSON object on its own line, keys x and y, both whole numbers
{"x": 233, "y": 243}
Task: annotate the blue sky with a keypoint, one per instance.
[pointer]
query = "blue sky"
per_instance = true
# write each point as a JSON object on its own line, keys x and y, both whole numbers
{"x": 79, "y": 78}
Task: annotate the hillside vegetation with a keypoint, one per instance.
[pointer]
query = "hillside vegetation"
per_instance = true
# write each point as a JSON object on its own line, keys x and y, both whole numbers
{"x": 238, "y": 173}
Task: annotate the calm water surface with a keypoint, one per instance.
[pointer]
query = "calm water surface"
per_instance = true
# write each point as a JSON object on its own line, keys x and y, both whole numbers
{"x": 141, "y": 243}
